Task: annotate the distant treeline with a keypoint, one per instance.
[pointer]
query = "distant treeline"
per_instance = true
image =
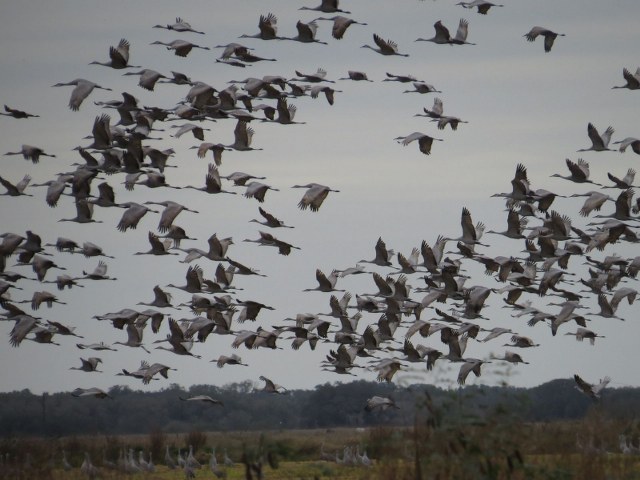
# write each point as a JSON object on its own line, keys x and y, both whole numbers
{"x": 326, "y": 406}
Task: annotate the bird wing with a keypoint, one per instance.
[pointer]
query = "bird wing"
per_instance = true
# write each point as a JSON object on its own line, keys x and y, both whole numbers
{"x": 463, "y": 27}
{"x": 442, "y": 32}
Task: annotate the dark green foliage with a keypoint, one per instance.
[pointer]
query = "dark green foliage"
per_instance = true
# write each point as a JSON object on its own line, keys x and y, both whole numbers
{"x": 326, "y": 406}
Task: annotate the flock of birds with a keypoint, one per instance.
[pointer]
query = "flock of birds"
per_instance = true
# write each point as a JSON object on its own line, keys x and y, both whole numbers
{"x": 427, "y": 295}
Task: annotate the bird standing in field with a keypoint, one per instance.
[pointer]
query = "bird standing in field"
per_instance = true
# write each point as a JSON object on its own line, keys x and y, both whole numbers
{"x": 314, "y": 196}
{"x": 549, "y": 36}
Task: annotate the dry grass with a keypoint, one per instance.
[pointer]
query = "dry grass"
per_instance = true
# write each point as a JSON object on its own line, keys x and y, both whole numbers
{"x": 486, "y": 450}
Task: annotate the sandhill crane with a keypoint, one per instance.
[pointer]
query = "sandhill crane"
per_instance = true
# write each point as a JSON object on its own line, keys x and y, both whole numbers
{"x": 168, "y": 459}
{"x": 213, "y": 184}
{"x": 581, "y": 333}
{"x": 217, "y": 249}
{"x": 17, "y": 189}
{"x": 496, "y": 332}
{"x": 178, "y": 78}
{"x": 470, "y": 365}
{"x": 241, "y": 178}
{"x": 41, "y": 266}
{"x": 549, "y": 36}
{"x": 134, "y": 338}
{"x": 424, "y": 141}
{"x": 385, "y": 47}
{"x": 23, "y": 326}
{"x": 29, "y": 152}
{"x": 243, "y": 136}
{"x": 326, "y": 6}
{"x": 81, "y": 91}
{"x": 95, "y": 346}
{"x": 196, "y": 130}
{"x": 179, "y": 26}
{"x": 204, "y": 399}
{"x": 632, "y": 142}
{"x": 161, "y": 299}
{"x": 623, "y": 183}
{"x": 98, "y": 273}
{"x": 232, "y": 359}
{"x": 267, "y": 239}
{"x": 270, "y": 220}
{"x": 177, "y": 234}
{"x": 271, "y": 387}
{"x": 632, "y": 80}
{"x": 387, "y": 368}
{"x": 356, "y": 76}
{"x": 306, "y": 33}
{"x": 15, "y": 113}
{"x": 521, "y": 342}
{"x": 132, "y": 215}
{"x": 340, "y": 25}
{"x": 392, "y": 77}
{"x": 380, "y": 403}
{"x": 325, "y": 283}
{"x": 268, "y": 26}
{"x": 158, "y": 247}
{"x": 88, "y": 365}
{"x": 88, "y": 468}
{"x": 258, "y": 190}
{"x": 482, "y": 6}
{"x": 38, "y": 298}
{"x": 181, "y": 48}
{"x": 599, "y": 143}
{"x": 314, "y": 196}
{"x": 511, "y": 357}
{"x": 422, "y": 87}
{"x": 593, "y": 391}
{"x": 171, "y": 211}
{"x": 148, "y": 78}
{"x": 443, "y": 37}
{"x": 118, "y": 56}
{"x": 215, "y": 148}
{"x": 328, "y": 91}
{"x": 91, "y": 392}
{"x": 579, "y": 172}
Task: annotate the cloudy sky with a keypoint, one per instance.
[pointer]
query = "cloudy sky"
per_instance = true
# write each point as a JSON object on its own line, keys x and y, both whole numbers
{"x": 523, "y": 106}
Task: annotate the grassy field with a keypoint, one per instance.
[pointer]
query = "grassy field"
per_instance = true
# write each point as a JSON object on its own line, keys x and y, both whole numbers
{"x": 587, "y": 449}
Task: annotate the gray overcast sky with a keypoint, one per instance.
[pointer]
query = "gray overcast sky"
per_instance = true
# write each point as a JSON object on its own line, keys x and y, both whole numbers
{"x": 523, "y": 106}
